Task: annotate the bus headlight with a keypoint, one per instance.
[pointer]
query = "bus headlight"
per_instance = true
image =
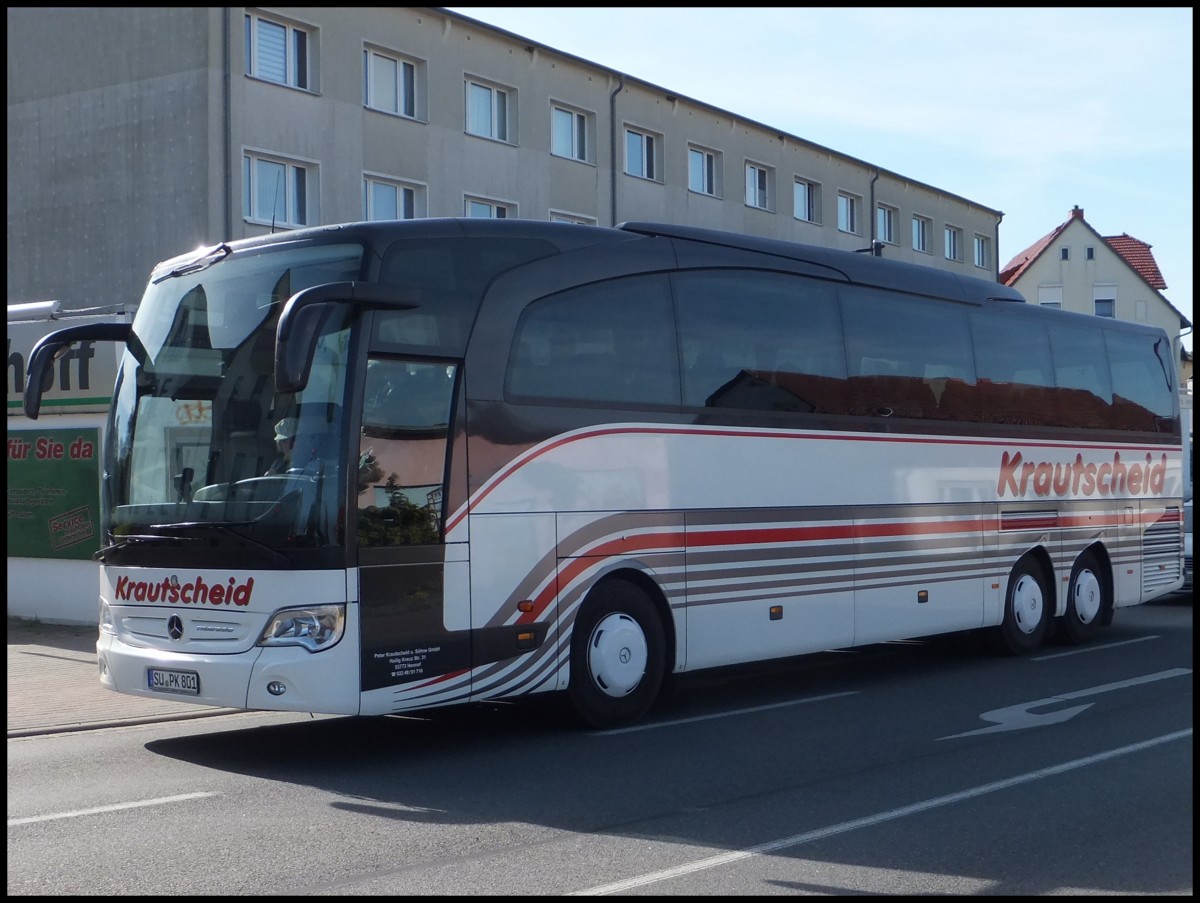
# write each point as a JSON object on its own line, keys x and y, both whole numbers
{"x": 315, "y": 627}
{"x": 106, "y": 619}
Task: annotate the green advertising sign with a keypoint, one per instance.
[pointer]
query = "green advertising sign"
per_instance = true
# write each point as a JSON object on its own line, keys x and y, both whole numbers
{"x": 54, "y": 493}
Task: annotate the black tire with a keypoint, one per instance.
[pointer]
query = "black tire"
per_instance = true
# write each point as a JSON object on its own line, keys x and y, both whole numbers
{"x": 1088, "y": 600}
{"x": 1026, "y": 609}
{"x": 618, "y": 655}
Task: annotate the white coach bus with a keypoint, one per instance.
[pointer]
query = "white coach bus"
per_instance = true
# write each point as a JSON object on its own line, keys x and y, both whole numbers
{"x": 379, "y": 467}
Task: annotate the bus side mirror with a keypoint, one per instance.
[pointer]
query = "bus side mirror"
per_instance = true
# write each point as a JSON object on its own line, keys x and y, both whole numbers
{"x": 295, "y": 344}
{"x": 52, "y": 347}
{"x": 299, "y": 324}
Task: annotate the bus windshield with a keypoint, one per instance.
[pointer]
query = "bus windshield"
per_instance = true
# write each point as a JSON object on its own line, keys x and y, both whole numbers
{"x": 204, "y": 454}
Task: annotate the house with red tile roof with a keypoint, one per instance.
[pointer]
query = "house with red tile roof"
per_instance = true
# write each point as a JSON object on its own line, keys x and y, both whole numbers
{"x": 1076, "y": 268}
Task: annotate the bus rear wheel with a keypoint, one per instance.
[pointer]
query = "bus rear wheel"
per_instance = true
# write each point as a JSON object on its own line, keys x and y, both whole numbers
{"x": 618, "y": 655}
{"x": 1087, "y": 600}
{"x": 1026, "y": 609}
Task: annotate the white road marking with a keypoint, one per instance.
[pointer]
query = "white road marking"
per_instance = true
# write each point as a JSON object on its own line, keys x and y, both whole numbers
{"x": 1097, "y": 647}
{"x": 116, "y": 807}
{"x": 1018, "y": 717}
{"x": 758, "y": 708}
{"x": 698, "y": 865}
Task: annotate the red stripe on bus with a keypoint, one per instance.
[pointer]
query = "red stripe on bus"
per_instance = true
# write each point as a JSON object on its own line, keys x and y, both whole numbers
{"x": 535, "y": 453}
{"x": 625, "y": 546}
{"x": 649, "y": 542}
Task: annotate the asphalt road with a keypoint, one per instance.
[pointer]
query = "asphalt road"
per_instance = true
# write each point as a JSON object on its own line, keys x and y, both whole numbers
{"x": 926, "y": 767}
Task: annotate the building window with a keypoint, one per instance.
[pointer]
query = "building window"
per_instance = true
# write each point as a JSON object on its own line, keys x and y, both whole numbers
{"x": 483, "y": 208}
{"x": 278, "y": 191}
{"x": 391, "y": 199}
{"x": 758, "y": 187}
{"x": 885, "y": 224}
{"x": 641, "y": 154}
{"x": 570, "y": 134}
{"x": 488, "y": 111}
{"x": 806, "y": 201}
{"x": 953, "y": 243}
{"x": 982, "y": 257}
{"x": 389, "y": 84}
{"x": 1104, "y": 299}
{"x": 557, "y": 216}
{"x": 1090, "y": 253}
{"x": 702, "y": 171}
{"x": 847, "y": 213}
{"x": 277, "y": 52}
{"x": 920, "y": 234}
{"x": 1050, "y": 296}
{"x": 1064, "y": 253}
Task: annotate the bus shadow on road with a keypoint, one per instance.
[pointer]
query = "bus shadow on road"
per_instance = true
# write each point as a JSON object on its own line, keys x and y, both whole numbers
{"x": 407, "y": 766}
{"x": 696, "y": 779}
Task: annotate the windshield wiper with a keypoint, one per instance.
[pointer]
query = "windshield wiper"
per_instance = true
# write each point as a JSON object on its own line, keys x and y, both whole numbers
{"x": 221, "y": 528}
{"x": 137, "y": 540}
{"x": 212, "y": 255}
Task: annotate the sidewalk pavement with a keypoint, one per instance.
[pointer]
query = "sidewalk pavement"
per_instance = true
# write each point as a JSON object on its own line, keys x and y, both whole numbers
{"x": 53, "y": 685}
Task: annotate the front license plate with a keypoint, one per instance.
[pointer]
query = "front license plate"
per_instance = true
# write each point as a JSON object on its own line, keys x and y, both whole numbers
{"x": 163, "y": 681}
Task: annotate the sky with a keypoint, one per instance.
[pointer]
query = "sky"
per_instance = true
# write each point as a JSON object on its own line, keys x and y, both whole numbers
{"x": 1026, "y": 111}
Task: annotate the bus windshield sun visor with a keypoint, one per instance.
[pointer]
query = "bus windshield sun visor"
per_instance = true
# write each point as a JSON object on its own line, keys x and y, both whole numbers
{"x": 53, "y": 346}
{"x": 299, "y": 323}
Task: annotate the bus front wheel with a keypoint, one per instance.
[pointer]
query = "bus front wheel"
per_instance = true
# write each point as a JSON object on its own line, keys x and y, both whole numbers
{"x": 1087, "y": 599}
{"x": 618, "y": 655}
{"x": 1026, "y": 609}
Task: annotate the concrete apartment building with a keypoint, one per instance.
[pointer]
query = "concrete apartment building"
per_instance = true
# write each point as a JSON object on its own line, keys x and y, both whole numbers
{"x": 138, "y": 134}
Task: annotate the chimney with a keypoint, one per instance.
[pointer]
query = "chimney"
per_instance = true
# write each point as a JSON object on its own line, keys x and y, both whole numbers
{"x": 1077, "y": 212}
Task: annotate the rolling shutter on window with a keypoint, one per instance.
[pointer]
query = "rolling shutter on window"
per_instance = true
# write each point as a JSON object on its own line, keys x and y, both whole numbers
{"x": 271, "y": 52}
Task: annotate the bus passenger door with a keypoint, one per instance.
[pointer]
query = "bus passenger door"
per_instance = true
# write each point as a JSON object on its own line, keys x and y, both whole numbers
{"x": 413, "y": 653}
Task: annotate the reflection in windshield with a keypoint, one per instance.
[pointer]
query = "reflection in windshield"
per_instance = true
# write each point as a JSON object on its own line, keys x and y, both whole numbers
{"x": 193, "y": 423}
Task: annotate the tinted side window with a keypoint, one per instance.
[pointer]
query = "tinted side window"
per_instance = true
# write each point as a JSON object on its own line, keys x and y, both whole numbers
{"x": 447, "y": 276}
{"x": 1143, "y": 388}
{"x": 402, "y": 451}
{"x": 609, "y": 342}
{"x": 1081, "y": 374}
{"x": 907, "y": 356}
{"x": 762, "y": 341}
{"x": 1014, "y": 369}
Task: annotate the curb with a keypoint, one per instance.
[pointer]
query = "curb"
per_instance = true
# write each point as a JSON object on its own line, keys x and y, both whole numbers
{"x": 53, "y": 687}
{"x": 18, "y": 733}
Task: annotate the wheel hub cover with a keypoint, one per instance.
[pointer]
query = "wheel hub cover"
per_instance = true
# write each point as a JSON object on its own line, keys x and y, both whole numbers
{"x": 617, "y": 655}
{"x": 1027, "y": 604}
{"x": 1087, "y": 597}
